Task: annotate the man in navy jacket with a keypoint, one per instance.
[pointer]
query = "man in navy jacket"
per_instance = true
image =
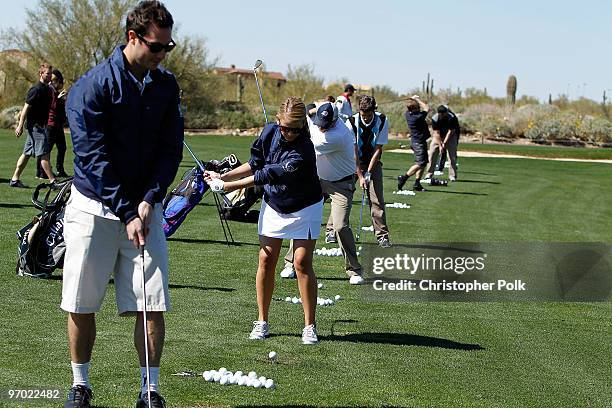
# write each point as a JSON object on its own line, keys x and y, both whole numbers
{"x": 127, "y": 133}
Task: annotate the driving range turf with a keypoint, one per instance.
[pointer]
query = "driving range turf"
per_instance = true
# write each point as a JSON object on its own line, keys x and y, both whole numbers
{"x": 372, "y": 353}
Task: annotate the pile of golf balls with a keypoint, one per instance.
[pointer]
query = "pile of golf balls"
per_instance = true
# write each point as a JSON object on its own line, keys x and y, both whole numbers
{"x": 224, "y": 377}
{"x": 405, "y": 192}
{"x": 328, "y": 252}
{"x": 320, "y": 301}
{"x": 397, "y": 205}
{"x": 370, "y": 228}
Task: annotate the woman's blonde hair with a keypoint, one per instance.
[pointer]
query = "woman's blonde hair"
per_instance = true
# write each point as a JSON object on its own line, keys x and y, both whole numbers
{"x": 292, "y": 113}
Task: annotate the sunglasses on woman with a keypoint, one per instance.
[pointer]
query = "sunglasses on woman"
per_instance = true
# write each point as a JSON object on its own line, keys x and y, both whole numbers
{"x": 156, "y": 47}
{"x": 290, "y": 129}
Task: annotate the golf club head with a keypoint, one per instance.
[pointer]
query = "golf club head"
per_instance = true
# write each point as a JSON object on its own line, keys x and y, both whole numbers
{"x": 257, "y": 64}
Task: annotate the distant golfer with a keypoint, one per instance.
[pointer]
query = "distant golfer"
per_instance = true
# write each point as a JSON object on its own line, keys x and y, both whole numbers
{"x": 283, "y": 161}
{"x": 371, "y": 132}
{"x": 416, "y": 117}
{"x": 127, "y": 133}
{"x": 34, "y": 116}
{"x": 335, "y": 152}
{"x": 445, "y": 140}
{"x": 343, "y": 102}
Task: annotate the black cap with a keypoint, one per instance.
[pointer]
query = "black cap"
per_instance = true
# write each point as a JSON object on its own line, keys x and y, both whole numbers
{"x": 348, "y": 88}
{"x": 442, "y": 109}
{"x": 324, "y": 117}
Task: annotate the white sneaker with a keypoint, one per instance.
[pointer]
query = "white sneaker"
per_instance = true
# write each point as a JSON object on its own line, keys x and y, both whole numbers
{"x": 452, "y": 178}
{"x": 438, "y": 173}
{"x": 260, "y": 331}
{"x": 309, "y": 335}
{"x": 288, "y": 272}
{"x": 356, "y": 280}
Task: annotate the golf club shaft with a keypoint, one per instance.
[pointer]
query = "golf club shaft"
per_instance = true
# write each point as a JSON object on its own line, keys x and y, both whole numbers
{"x": 263, "y": 106}
{"x": 361, "y": 215}
{"x": 144, "y": 324}
{"x": 198, "y": 162}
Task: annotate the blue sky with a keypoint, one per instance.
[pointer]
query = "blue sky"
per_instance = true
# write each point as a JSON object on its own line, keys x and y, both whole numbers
{"x": 551, "y": 46}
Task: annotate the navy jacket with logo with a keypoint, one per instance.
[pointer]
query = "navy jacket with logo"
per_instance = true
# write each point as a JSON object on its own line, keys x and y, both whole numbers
{"x": 127, "y": 145}
{"x": 287, "y": 170}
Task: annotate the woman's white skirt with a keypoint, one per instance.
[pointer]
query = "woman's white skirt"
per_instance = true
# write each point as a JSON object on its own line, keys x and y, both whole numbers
{"x": 302, "y": 224}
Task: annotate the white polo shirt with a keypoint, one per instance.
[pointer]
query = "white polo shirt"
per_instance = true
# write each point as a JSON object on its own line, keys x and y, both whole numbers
{"x": 335, "y": 151}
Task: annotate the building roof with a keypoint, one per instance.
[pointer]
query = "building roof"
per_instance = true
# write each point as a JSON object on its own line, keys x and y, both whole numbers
{"x": 242, "y": 71}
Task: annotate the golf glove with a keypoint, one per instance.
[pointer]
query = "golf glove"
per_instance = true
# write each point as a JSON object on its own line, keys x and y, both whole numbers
{"x": 216, "y": 185}
{"x": 367, "y": 176}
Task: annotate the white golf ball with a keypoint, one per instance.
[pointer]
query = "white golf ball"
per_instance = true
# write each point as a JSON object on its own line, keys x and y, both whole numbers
{"x": 252, "y": 374}
{"x": 320, "y": 286}
{"x": 243, "y": 380}
{"x": 228, "y": 373}
{"x": 232, "y": 380}
{"x": 262, "y": 380}
{"x": 223, "y": 370}
{"x": 269, "y": 383}
{"x": 288, "y": 299}
{"x": 272, "y": 356}
{"x": 249, "y": 382}
{"x": 256, "y": 383}
{"x": 238, "y": 374}
{"x": 207, "y": 375}
{"x": 217, "y": 376}
{"x": 224, "y": 380}
{"x": 337, "y": 297}
{"x": 295, "y": 300}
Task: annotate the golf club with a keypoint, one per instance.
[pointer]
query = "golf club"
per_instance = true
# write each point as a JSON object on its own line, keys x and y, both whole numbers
{"x": 255, "y": 67}
{"x": 224, "y": 224}
{"x": 144, "y": 324}
{"x": 363, "y": 195}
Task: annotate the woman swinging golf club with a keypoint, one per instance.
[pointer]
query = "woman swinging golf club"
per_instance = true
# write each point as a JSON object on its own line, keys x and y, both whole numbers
{"x": 283, "y": 161}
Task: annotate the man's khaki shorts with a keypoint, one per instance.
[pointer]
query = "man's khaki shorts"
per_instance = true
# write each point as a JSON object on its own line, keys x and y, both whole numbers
{"x": 98, "y": 248}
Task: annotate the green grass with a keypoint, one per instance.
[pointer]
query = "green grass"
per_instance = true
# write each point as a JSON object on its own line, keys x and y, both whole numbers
{"x": 372, "y": 353}
{"x": 529, "y": 150}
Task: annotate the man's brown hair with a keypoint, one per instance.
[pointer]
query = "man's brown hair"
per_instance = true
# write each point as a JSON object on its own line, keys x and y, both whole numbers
{"x": 43, "y": 68}
{"x": 367, "y": 103}
{"x": 413, "y": 106}
{"x": 145, "y": 13}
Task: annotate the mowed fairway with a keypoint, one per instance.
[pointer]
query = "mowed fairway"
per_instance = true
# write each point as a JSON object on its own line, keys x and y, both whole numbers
{"x": 372, "y": 353}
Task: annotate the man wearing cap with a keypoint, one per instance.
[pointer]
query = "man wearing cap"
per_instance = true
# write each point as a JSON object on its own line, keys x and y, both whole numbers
{"x": 371, "y": 131}
{"x": 343, "y": 102}
{"x": 446, "y": 138}
{"x": 336, "y": 166}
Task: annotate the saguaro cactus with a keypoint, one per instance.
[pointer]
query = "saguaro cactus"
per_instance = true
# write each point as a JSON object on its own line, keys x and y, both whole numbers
{"x": 511, "y": 90}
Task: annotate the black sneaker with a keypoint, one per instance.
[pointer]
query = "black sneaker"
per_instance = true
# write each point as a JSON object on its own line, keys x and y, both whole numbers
{"x": 17, "y": 184}
{"x": 418, "y": 187}
{"x": 62, "y": 174}
{"x": 401, "y": 181}
{"x": 79, "y": 397}
{"x": 384, "y": 242}
{"x": 157, "y": 401}
{"x": 330, "y": 238}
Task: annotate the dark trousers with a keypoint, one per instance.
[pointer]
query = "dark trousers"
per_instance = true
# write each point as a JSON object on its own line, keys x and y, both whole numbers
{"x": 56, "y": 138}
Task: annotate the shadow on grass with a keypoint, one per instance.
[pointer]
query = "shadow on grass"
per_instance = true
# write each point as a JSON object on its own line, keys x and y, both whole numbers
{"x": 210, "y": 241}
{"x": 13, "y": 205}
{"x": 401, "y": 339}
{"x": 429, "y": 190}
{"x": 477, "y": 181}
{"x": 312, "y": 406}
{"x": 481, "y": 174}
{"x": 215, "y": 288}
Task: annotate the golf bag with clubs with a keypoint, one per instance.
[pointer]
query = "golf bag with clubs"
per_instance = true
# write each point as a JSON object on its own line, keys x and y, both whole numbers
{"x": 182, "y": 199}
{"x": 41, "y": 242}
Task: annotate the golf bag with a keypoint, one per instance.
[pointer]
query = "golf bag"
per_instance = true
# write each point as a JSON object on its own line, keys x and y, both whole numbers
{"x": 237, "y": 204}
{"x": 41, "y": 242}
{"x": 182, "y": 199}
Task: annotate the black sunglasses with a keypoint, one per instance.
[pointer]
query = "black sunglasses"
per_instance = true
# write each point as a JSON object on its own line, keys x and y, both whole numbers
{"x": 156, "y": 47}
{"x": 290, "y": 129}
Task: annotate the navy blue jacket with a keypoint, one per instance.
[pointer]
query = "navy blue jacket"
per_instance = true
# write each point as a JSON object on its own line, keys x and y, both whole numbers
{"x": 127, "y": 146}
{"x": 287, "y": 170}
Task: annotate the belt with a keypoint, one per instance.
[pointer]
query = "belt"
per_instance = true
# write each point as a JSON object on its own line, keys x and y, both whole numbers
{"x": 347, "y": 178}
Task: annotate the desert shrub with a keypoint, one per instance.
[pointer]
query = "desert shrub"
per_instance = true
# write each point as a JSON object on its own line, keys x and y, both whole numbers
{"x": 553, "y": 127}
{"x": 595, "y": 130}
{"x": 9, "y": 117}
